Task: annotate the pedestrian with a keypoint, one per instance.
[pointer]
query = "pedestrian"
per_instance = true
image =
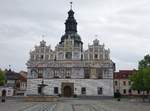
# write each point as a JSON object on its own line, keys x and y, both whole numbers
{"x": 118, "y": 94}
{"x": 3, "y": 95}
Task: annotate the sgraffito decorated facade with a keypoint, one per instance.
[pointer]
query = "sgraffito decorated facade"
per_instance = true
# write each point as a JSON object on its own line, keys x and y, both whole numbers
{"x": 68, "y": 69}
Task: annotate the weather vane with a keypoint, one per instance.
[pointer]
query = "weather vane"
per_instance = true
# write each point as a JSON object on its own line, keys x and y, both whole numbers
{"x": 71, "y": 5}
{"x": 43, "y": 36}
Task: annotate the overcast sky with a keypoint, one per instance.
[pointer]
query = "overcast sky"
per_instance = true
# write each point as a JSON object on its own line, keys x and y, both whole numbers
{"x": 122, "y": 25}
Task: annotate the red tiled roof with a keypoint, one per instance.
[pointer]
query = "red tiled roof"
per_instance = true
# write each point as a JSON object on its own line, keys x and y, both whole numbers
{"x": 123, "y": 74}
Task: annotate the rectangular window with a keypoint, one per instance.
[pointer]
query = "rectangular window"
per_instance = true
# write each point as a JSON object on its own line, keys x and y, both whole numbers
{"x": 116, "y": 83}
{"x": 83, "y": 90}
{"x": 55, "y": 90}
{"x": 42, "y": 57}
{"x": 124, "y": 83}
{"x": 124, "y": 91}
{"x": 40, "y": 73}
{"x": 130, "y": 91}
{"x": 99, "y": 90}
{"x": 117, "y": 90}
{"x": 95, "y": 56}
{"x": 86, "y": 73}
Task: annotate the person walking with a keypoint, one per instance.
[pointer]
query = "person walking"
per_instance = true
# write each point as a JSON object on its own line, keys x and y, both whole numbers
{"x": 3, "y": 95}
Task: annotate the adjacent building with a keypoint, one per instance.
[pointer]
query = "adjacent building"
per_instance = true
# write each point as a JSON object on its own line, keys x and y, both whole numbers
{"x": 15, "y": 81}
{"x": 9, "y": 90}
{"x": 70, "y": 70}
{"x": 123, "y": 84}
{"x": 11, "y": 78}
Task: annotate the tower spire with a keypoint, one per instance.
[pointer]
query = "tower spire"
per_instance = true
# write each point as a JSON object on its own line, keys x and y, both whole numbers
{"x": 71, "y": 24}
{"x": 71, "y": 28}
{"x": 43, "y": 37}
{"x": 71, "y": 5}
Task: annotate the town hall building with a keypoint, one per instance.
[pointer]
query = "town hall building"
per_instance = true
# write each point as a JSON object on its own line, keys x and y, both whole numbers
{"x": 70, "y": 70}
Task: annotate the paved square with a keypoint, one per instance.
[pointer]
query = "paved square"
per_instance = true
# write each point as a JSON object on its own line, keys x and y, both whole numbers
{"x": 75, "y": 105}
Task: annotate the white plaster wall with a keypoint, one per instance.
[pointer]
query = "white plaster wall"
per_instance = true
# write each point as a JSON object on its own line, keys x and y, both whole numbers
{"x": 77, "y": 73}
{"x": 90, "y": 84}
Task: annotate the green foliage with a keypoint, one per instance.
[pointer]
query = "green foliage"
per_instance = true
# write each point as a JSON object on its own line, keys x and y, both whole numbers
{"x": 2, "y": 77}
{"x": 137, "y": 81}
{"x": 146, "y": 72}
{"x": 141, "y": 79}
{"x": 144, "y": 62}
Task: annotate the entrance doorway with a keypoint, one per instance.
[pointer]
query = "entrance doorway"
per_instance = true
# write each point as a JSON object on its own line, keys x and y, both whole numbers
{"x": 67, "y": 89}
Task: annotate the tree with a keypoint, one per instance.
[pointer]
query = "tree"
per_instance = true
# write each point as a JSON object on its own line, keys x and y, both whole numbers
{"x": 146, "y": 78}
{"x": 144, "y": 62}
{"x": 141, "y": 78}
{"x": 2, "y": 77}
{"x": 137, "y": 80}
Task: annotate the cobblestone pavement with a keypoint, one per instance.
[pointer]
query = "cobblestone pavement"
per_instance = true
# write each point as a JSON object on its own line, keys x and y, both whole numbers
{"x": 75, "y": 105}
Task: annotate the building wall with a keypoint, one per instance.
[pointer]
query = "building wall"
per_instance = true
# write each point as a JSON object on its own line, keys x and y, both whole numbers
{"x": 127, "y": 86}
{"x": 90, "y": 84}
{"x": 69, "y": 62}
{"x": 122, "y": 84}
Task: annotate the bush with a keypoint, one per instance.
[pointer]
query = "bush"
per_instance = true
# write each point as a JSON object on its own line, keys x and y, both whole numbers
{"x": 2, "y": 77}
